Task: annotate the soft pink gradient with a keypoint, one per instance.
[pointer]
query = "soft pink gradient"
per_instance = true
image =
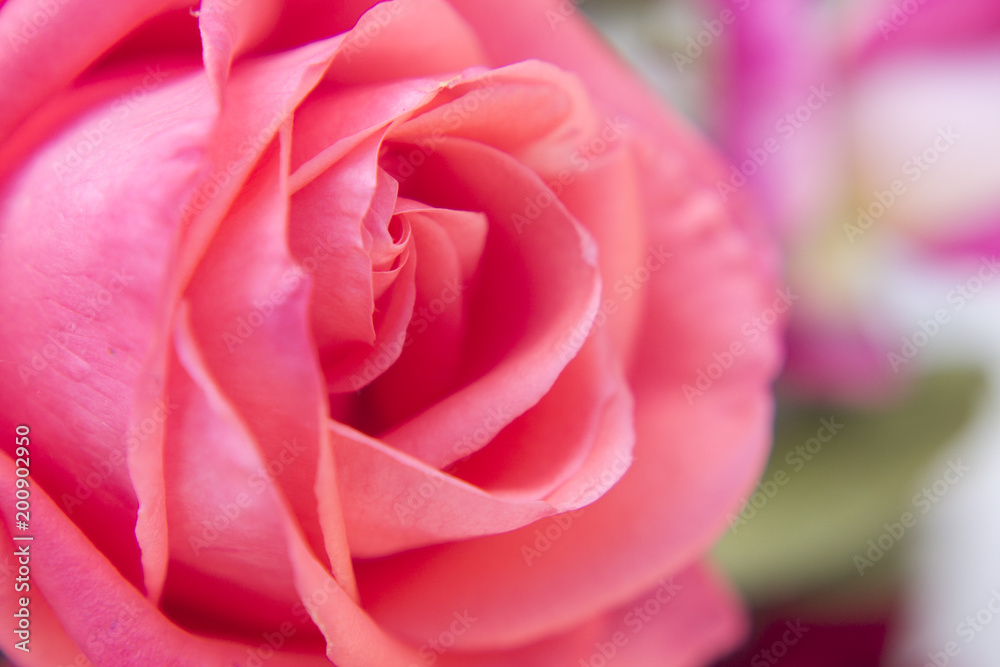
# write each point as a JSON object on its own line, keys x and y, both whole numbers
{"x": 206, "y": 308}
{"x": 897, "y": 79}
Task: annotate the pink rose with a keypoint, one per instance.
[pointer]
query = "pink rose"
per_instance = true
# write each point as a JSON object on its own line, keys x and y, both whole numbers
{"x": 391, "y": 335}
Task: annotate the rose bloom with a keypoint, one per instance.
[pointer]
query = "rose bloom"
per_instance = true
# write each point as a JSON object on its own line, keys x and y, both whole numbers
{"x": 403, "y": 334}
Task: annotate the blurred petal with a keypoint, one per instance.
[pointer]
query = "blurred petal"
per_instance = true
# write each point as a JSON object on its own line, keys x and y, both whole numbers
{"x": 929, "y": 123}
{"x": 684, "y": 621}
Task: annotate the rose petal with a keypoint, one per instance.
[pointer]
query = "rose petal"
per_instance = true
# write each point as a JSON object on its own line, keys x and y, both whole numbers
{"x": 287, "y": 77}
{"x": 585, "y": 423}
{"x": 684, "y": 451}
{"x": 511, "y": 364}
{"x": 434, "y": 333}
{"x": 225, "y": 562}
{"x": 352, "y": 638}
{"x": 259, "y": 98}
{"x": 57, "y": 647}
{"x": 604, "y": 195}
{"x": 270, "y": 372}
{"x": 406, "y": 38}
{"x": 47, "y": 48}
{"x": 539, "y": 585}
{"x": 684, "y": 622}
{"x": 334, "y": 213}
{"x": 68, "y": 570}
{"x": 85, "y": 316}
{"x": 394, "y": 502}
{"x": 228, "y": 29}
{"x": 531, "y": 110}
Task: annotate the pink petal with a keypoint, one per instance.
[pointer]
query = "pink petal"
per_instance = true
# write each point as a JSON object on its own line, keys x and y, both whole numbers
{"x": 403, "y": 39}
{"x": 67, "y": 570}
{"x": 531, "y": 110}
{"x": 353, "y": 640}
{"x": 330, "y": 219}
{"x": 604, "y": 195}
{"x": 228, "y": 29}
{"x": 432, "y": 337}
{"x": 684, "y": 451}
{"x": 240, "y": 136}
{"x": 781, "y": 54}
{"x": 891, "y": 27}
{"x": 48, "y": 45}
{"x": 538, "y": 581}
{"x": 259, "y": 98}
{"x": 550, "y": 297}
{"x": 337, "y": 118}
{"x": 262, "y": 356}
{"x": 466, "y": 231}
{"x": 88, "y": 302}
{"x": 394, "y": 502}
{"x": 585, "y": 423}
{"x": 685, "y": 621}
{"x": 55, "y": 646}
{"x": 225, "y": 561}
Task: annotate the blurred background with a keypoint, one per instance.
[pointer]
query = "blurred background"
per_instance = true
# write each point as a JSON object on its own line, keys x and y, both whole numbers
{"x": 868, "y": 133}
